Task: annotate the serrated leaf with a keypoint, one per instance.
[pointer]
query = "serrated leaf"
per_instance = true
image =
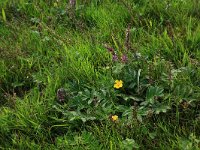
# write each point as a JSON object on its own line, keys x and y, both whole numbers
{"x": 132, "y": 85}
{"x": 161, "y": 108}
{"x": 129, "y": 97}
{"x": 118, "y": 68}
{"x": 84, "y": 118}
{"x": 137, "y": 99}
{"x": 130, "y": 144}
{"x": 152, "y": 92}
{"x": 90, "y": 101}
{"x": 152, "y": 135}
{"x": 139, "y": 118}
{"x": 128, "y": 112}
{"x": 142, "y": 111}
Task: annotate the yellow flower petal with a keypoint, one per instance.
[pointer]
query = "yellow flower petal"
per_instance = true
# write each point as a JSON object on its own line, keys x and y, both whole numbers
{"x": 118, "y": 84}
{"x": 114, "y": 118}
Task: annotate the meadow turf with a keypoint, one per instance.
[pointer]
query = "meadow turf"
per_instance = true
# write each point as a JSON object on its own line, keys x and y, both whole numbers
{"x": 59, "y": 64}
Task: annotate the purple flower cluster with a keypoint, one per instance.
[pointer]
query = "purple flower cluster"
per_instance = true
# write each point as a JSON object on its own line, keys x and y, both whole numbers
{"x": 110, "y": 49}
{"x": 61, "y": 95}
{"x": 124, "y": 58}
{"x": 115, "y": 57}
{"x": 72, "y": 3}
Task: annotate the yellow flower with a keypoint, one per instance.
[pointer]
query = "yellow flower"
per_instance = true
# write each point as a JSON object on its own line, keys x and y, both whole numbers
{"x": 118, "y": 84}
{"x": 114, "y": 118}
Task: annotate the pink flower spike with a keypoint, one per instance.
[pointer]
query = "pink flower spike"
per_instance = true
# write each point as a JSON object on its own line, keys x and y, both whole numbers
{"x": 124, "y": 58}
{"x": 115, "y": 57}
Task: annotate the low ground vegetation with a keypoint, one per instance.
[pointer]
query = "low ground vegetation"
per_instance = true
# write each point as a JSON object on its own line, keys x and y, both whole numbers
{"x": 100, "y": 75}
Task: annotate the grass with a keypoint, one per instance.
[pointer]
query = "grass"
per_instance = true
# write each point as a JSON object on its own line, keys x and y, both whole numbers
{"x": 47, "y": 47}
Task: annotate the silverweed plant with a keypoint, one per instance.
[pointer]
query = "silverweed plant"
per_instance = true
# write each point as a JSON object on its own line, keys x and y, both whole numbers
{"x": 97, "y": 74}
